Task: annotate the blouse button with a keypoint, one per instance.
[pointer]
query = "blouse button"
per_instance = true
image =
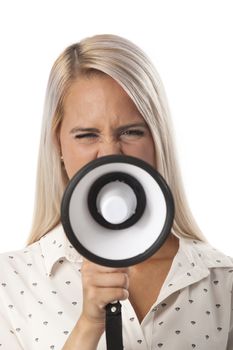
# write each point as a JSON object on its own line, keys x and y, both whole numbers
{"x": 156, "y": 308}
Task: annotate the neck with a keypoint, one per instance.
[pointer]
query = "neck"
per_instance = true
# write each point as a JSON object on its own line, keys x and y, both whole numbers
{"x": 166, "y": 253}
{"x": 168, "y": 249}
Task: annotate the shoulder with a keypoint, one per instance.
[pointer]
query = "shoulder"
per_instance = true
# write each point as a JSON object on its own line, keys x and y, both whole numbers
{"x": 39, "y": 258}
{"x": 211, "y": 256}
{"x": 207, "y": 258}
{"x": 19, "y": 261}
{"x": 17, "y": 273}
{"x": 30, "y": 259}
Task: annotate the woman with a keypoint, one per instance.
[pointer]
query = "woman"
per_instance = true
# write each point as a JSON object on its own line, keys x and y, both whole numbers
{"x": 105, "y": 97}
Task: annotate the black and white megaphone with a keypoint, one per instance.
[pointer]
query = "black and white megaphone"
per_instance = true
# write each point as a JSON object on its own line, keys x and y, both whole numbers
{"x": 117, "y": 211}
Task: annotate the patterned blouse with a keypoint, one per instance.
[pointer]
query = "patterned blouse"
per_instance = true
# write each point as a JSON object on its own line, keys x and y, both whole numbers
{"x": 41, "y": 300}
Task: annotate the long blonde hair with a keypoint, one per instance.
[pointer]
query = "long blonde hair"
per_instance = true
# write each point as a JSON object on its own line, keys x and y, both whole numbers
{"x": 131, "y": 68}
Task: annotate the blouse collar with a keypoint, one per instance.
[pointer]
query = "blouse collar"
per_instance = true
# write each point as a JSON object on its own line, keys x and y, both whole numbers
{"x": 193, "y": 257}
{"x": 56, "y": 247}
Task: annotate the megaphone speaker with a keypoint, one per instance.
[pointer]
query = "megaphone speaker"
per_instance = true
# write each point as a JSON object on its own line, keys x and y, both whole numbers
{"x": 117, "y": 211}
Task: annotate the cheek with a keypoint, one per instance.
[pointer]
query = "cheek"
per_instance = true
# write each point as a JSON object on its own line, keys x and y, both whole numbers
{"x": 75, "y": 157}
{"x": 143, "y": 150}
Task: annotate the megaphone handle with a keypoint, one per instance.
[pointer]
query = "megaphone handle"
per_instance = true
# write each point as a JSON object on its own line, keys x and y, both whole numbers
{"x": 113, "y": 326}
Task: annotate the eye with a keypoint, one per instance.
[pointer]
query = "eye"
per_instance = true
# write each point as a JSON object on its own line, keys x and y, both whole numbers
{"x": 86, "y": 138}
{"x": 132, "y": 134}
{"x": 82, "y": 136}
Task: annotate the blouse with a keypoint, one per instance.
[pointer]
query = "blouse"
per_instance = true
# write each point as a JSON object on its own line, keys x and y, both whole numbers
{"x": 41, "y": 299}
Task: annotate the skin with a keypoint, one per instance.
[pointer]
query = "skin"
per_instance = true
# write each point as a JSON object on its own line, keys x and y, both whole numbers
{"x": 100, "y": 103}
{"x": 100, "y": 119}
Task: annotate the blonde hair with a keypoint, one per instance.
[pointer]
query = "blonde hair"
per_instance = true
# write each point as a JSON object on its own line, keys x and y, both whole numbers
{"x": 131, "y": 68}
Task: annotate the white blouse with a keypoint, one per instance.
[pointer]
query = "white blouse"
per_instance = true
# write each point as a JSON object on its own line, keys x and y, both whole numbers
{"x": 41, "y": 300}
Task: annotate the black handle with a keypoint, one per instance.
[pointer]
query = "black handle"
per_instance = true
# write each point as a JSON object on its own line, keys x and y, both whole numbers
{"x": 113, "y": 327}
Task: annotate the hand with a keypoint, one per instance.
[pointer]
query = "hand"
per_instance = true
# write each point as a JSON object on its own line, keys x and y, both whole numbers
{"x": 101, "y": 286}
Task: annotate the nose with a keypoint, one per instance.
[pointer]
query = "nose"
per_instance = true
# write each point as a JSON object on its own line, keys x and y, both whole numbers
{"x": 109, "y": 148}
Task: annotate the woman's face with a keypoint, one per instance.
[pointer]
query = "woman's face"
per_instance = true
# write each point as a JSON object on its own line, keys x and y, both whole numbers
{"x": 100, "y": 119}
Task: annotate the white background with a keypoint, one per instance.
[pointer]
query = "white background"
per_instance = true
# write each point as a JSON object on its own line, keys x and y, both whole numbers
{"x": 191, "y": 45}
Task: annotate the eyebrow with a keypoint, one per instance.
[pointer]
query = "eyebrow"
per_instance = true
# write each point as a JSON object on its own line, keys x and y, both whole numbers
{"x": 119, "y": 129}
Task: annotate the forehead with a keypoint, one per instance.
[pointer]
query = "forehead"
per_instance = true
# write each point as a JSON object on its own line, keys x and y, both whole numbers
{"x": 97, "y": 94}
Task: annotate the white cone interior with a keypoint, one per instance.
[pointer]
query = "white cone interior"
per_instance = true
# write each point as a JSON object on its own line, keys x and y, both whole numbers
{"x": 125, "y": 243}
{"x": 116, "y": 202}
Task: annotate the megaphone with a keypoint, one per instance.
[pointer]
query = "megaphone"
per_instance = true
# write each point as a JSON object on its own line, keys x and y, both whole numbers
{"x": 117, "y": 211}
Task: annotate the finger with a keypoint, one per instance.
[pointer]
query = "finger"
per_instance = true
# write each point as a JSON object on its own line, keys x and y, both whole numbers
{"x": 88, "y": 265}
{"x": 106, "y": 280}
{"x": 103, "y": 296}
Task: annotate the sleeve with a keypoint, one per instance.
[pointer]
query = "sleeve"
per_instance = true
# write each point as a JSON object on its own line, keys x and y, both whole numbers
{"x": 8, "y": 339}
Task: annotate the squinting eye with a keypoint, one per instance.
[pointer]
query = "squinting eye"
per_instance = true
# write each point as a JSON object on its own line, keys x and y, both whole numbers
{"x": 81, "y": 136}
{"x": 86, "y": 138}
{"x": 132, "y": 133}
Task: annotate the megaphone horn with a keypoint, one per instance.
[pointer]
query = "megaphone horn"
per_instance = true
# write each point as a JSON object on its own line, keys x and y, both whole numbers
{"x": 117, "y": 211}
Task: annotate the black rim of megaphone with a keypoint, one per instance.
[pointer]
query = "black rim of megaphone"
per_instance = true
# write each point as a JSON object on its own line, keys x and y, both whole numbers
{"x": 65, "y": 218}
